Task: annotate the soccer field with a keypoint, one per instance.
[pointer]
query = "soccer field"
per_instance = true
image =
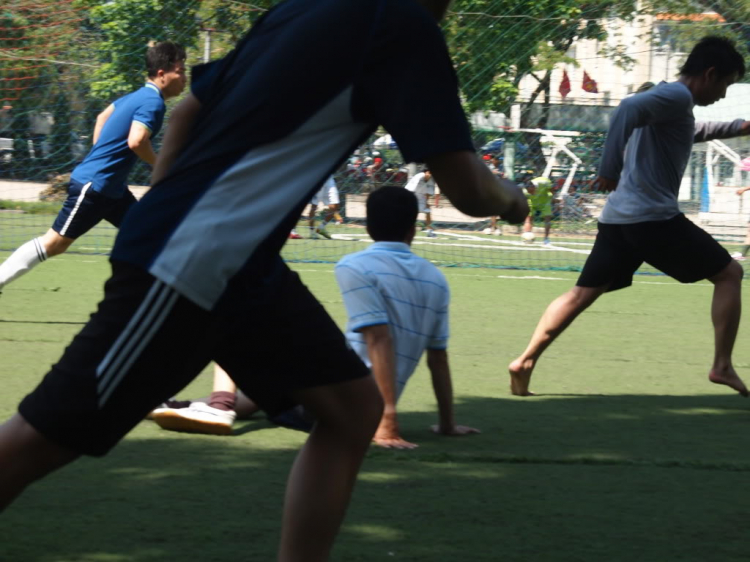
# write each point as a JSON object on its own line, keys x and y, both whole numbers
{"x": 627, "y": 453}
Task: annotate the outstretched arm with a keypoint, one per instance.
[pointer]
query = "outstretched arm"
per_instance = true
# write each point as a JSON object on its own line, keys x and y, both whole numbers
{"x": 437, "y": 362}
{"x": 710, "y": 130}
{"x": 383, "y": 358}
{"x": 180, "y": 123}
{"x": 474, "y": 189}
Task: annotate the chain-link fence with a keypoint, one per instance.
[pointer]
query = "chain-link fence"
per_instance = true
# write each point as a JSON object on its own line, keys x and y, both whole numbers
{"x": 539, "y": 81}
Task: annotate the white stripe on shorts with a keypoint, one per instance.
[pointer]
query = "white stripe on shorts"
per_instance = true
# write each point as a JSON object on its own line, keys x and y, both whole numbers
{"x": 137, "y": 334}
{"x": 75, "y": 209}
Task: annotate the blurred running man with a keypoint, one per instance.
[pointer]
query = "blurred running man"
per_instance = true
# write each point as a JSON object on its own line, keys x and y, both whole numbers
{"x": 98, "y": 187}
{"x": 539, "y": 193}
{"x": 328, "y": 196}
{"x": 423, "y": 186}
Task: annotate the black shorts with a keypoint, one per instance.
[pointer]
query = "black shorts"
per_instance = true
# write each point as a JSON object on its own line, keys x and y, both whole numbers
{"x": 677, "y": 247}
{"x": 146, "y": 342}
{"x": 84, "y": 208}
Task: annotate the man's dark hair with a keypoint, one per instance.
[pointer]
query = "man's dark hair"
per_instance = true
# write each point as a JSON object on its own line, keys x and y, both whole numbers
{"x": 391, "y": 213}
{"x": 715, "y": 51}
{"x": 163, "y": 56}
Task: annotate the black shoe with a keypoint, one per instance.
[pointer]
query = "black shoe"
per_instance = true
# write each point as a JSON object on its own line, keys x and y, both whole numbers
{"x": 296, "y": 418}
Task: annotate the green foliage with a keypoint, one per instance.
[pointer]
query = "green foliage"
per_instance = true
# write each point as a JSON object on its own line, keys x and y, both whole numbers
{"x": 123, "y": 30}
{"x": 35, "y": 208}
{"x": 497, "y": 42}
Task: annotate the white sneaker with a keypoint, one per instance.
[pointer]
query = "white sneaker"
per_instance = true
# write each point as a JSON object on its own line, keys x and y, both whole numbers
{"x": 487, "y": 230}
{"x": 497, "y": 232}
{"x": 738, "y": 256}
{"x": 198, "y": 418}
{"x": 431, "y": 234}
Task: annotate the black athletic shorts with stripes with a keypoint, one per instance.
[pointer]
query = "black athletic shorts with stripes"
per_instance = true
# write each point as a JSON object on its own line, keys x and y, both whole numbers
{"x": 677, "y": 247}
{"x": 146, "y": 342}
{"x": 84, "y": 208}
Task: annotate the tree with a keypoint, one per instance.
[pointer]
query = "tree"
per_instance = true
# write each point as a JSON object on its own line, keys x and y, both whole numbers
{"x": 34, "y": 35}
{"x": 495, "y": 44}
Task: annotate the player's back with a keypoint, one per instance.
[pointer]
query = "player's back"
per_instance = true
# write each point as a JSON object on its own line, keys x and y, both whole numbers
{"x": 412, "y": 298}
{"x": 110, "y": 160}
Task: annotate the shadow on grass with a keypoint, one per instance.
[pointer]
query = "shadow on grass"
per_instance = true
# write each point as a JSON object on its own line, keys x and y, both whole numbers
{"x": 550, "y": 478}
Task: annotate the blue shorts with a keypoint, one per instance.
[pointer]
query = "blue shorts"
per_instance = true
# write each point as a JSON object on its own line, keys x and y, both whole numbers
{"x": 85, "y": 208}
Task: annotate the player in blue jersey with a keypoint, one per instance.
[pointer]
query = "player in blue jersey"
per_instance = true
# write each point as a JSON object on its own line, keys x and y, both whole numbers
{"x": 196, "y": 270}
{"x": 98, "y": 187}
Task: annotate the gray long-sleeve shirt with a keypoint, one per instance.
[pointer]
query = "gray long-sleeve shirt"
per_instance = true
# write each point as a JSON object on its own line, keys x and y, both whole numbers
{"x": 648, "y": 148}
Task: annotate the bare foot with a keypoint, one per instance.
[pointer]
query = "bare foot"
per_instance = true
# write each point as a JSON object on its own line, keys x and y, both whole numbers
{"x": 729, "y": 378}
{"x": 520, "y": 376}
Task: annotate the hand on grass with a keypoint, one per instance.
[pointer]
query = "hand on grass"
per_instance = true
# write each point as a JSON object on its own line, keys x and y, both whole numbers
{"x": 391, "y": 440}
{"x": 456, "y": 430}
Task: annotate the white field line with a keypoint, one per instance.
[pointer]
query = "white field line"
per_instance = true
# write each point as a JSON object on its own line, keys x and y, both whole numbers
{"x": 531, "y": 278}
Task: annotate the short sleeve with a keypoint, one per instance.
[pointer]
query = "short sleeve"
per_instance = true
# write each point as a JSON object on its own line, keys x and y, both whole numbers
{"x": 441, "y": 330}
{"x": 364, "y": 304}
{"x": 150, "y": 114}
{"x": 416, "y": 94}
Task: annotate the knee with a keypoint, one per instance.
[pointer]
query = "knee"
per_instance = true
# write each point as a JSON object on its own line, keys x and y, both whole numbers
{"x": 738, "y": 269}
{"x": 54, "y": 244}
{"x": 732, "y": 273}
{"x": 352, "y": 410}
{"x": 583, "y": 297}
{"x": 364, "y": 414}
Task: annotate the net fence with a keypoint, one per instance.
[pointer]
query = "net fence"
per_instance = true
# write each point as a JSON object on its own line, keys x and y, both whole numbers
{"x": 539, "y": 80}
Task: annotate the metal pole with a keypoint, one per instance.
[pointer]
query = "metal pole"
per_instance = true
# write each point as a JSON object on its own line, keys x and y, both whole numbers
{"x": 206, "y": 45}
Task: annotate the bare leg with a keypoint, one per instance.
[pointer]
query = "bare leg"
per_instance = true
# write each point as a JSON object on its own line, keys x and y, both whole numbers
{"x": 322, "y": 478}
{"x": 558, "y": 316}
{"x": 55, "y": 244}
{"x": 26, "y": 456}
{"x": 726, "y": 309}
{"x": 331, "y": 212}
{"x": 311, "y": 217}
{"x": 222, "y": 381}
{"x": 527, "y": 224}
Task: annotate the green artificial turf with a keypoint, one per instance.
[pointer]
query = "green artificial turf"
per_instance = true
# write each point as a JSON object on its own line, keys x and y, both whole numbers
{"x": 627, "y": 452}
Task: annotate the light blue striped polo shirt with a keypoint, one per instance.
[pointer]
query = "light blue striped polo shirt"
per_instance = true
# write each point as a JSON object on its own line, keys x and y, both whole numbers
{"x": 388, "y": 284}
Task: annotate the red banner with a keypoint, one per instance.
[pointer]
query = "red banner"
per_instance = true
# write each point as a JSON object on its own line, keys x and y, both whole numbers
{"x": 565, "y": 85}
{"x": 589, "y": 84}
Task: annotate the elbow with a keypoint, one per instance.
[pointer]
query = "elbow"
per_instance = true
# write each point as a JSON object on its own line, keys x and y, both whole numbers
{"x": 134, "y": 144}
{"x": 378, "y": 336}
{"x": 383, "y": 338}
{"x": 467, "y": 198}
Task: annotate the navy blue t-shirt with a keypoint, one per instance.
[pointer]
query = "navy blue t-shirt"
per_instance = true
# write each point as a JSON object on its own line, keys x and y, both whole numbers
{"x": 109, "y": 162}
{"x": 280, "y": 113}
